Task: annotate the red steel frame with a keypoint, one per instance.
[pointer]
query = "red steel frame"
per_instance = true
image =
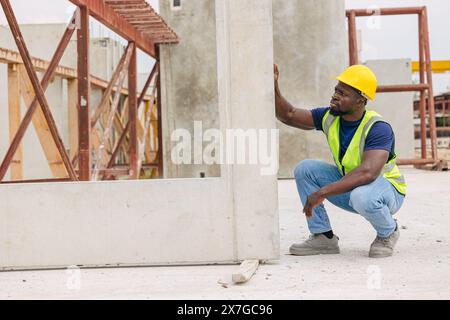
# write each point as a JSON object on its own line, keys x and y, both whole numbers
{"x": 100, "y": 10}
{"x": 425, "y": 66}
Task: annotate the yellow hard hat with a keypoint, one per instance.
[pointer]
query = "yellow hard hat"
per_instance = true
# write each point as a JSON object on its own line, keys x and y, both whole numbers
{"x": 362, "y": 78}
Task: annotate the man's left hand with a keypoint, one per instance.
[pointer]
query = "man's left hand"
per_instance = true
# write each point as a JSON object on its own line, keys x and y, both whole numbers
{"x": 314, "y": 199}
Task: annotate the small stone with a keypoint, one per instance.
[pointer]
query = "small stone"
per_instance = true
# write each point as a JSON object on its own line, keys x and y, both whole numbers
{"x": 438, "y": 240}
{"x": 404, "y": 227}
{"x": 223, "y": 284}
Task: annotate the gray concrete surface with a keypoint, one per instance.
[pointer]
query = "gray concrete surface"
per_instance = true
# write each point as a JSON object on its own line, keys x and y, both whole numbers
{"x": 396, "y": 107}
{"x": 310, "y": 42}
{"x": 418, "y": 270}
{"x": 189, "y": 79}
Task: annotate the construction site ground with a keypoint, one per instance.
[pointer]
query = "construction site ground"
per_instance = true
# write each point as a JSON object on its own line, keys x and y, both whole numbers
{"x": 419, "y": 269}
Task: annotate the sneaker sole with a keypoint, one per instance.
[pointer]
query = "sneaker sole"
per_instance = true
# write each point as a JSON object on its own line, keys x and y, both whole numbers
{"x": 313, "y": 252}
{"x": 378, "y": 255}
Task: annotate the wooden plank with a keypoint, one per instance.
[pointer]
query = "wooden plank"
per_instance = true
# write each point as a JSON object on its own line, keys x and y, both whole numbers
{"x": 40, "y": 124}
{"x": 15, "y": 118}
{"x": 245, "y": 271}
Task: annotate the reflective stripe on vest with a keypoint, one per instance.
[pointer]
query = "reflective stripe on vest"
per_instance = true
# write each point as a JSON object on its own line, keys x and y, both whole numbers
{"x": 390, "y": 171}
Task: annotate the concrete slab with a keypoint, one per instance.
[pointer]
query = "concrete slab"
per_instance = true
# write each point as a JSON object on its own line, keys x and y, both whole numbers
{"x": 418, "y": 270}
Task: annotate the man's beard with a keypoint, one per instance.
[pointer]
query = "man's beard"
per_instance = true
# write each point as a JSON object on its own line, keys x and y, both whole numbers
{"x": 337, "y": 113}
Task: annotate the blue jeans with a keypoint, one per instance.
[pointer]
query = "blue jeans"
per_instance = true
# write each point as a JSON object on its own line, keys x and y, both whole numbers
{"x": 376, "y": 201}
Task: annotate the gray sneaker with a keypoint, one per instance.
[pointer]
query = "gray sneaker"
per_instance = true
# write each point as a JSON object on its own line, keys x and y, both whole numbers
{"x": 384, "y": 247}
{"x": 316, "y": 244}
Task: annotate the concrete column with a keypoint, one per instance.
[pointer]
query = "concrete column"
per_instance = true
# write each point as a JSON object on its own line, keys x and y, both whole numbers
{"x": 246, "y": 101}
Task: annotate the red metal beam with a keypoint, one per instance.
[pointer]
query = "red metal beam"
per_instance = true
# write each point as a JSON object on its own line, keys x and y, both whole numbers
{"x": 132, "y": 115}
{"x": 84, "y": 97}
{"x": 160, "y": 144}
{"x": 406, "y": 162}
{"x": 431, "y": 111}
{"x": 352, "y": 39}
{"x": 403, "y": 88}
{"x": 107, "y": 16}
{"x": 38, "y": 89}
{"x": 385, "y": 11}
{"x": 422, "y": 105}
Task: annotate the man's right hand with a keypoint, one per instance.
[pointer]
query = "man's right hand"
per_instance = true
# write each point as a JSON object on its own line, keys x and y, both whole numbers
{"x": 286, "y": 113}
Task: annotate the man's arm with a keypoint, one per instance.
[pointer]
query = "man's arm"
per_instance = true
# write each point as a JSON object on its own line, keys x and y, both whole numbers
{"x": 286, "y": 113}
{"x": 369, "y": 170}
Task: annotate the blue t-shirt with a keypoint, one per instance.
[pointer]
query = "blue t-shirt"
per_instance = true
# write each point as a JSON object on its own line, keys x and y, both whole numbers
{"x": 380, "y": 137}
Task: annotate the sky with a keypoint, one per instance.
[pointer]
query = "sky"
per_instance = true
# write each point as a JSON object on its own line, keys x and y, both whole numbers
{"x": 382, "y": 37}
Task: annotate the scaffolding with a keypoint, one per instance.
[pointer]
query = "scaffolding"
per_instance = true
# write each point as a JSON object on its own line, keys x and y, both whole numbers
{"x": 425, "y": 87}
{"x": 95, "y": 154}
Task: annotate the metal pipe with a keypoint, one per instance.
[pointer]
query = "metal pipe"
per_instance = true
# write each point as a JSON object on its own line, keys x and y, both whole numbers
{"x": 385, "y": 11}
{"x": 159, "y": 110}
{"x": 402, "y": 88}
{"x": 84, "y": 97}
{"x": 431, "y": 111}
{"x": 352, "y": 38}
{"x": 406, "y": 162}
{"x": 132, "y": 116}
{"x": 422, "y": 106}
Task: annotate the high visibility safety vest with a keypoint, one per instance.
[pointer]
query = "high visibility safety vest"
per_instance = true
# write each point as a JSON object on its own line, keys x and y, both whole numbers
{"x": 354, "y": 154}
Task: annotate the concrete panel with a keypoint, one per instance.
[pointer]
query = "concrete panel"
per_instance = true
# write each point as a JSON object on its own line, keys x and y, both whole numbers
{"x": 310, "y": 41}
{"x": 396, "y": 108}
{"x": 117, "y": 223}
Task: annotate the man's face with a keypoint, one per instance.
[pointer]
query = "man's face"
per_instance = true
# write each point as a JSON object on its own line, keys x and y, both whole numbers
{"x": 345, "y": 100}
